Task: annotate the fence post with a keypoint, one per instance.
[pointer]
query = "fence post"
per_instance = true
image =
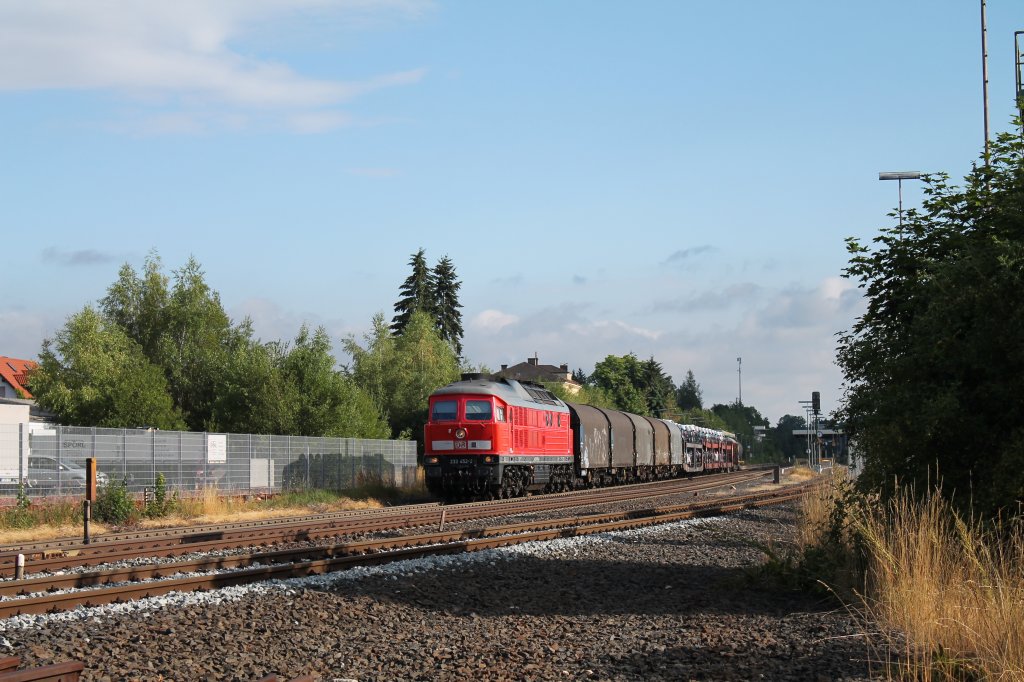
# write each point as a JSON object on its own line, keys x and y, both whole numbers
{"x": 124, "y": 450}
{"x": 21, "y": 455}
{"x": 153, "y": 452}
{"x": 206, "y": 457}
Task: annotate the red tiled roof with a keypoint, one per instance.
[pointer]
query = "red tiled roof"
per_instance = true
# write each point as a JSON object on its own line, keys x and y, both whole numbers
{"x": 15, "y": 372}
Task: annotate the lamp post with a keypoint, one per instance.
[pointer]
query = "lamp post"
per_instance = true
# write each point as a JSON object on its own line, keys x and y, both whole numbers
{"x": 900, "y": 176}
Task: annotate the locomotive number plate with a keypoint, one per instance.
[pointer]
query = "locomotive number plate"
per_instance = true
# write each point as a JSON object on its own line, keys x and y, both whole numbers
{"x": 460, "y": 445}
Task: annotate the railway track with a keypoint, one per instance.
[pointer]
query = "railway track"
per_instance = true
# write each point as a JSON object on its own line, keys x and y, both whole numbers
{"x": 67, "y": 554}
{"x": 139, "y": 582}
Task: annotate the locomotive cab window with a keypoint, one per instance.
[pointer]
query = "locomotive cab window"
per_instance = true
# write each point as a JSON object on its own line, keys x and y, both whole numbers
{"x": 478, "y": 410}
{"x": 444, "y": 411}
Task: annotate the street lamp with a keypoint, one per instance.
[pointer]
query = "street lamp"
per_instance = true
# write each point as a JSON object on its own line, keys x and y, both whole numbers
{"x": 900, "y": 176}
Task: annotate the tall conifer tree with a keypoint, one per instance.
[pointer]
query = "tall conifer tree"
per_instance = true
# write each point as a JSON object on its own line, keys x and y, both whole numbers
{"x": 415, "y": 292}
{"x": 445, "y": 298}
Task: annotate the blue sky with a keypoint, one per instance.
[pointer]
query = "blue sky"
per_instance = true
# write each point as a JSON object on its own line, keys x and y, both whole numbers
{"x": 672, "y": 179}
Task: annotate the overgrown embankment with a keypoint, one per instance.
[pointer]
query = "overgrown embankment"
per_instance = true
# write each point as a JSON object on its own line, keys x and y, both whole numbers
{"x": 946, "y": 592}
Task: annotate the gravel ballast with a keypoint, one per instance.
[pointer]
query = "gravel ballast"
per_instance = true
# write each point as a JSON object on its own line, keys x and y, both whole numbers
{"x": 674, "y": 602}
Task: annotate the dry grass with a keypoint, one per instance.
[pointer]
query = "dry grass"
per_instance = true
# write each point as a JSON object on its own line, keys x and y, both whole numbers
{"x": 209, "y": 506}
{"x": 948, "y": 594}
{"x": 793, "y": 476}
{"x": 801, "y": 473}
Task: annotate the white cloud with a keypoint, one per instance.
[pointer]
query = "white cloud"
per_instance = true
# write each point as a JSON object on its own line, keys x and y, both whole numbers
{"x": 493, "y": 321}
{"x": 182, "y": 56}
{"x": 612, "y": 329}
{"x": 786, "y": 337}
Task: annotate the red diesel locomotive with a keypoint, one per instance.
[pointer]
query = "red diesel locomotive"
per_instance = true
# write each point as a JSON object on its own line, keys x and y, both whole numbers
{"x": 501, "y": 438}
{"x": 497, "y": 438}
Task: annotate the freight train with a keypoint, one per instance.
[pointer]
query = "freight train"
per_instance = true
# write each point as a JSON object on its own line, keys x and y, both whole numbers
{"x": 497, "y": 438}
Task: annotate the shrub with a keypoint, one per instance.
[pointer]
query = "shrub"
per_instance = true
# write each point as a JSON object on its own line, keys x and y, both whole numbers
{"x": 159, "y": 505}
{"x": 114, "y": 504}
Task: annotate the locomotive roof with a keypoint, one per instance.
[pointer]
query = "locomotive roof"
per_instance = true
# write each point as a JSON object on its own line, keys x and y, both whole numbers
{"x": 513, "y": 392}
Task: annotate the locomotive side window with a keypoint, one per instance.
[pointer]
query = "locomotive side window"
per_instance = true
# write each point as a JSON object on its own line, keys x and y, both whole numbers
{"x": 444, "y": 411}
{"x": 478, "y": 410}
{"x": 499, "y": 414}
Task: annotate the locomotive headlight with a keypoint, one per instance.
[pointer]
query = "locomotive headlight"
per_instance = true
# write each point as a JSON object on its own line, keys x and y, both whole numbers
{"x": 488, "y": 459}
{"x": 460, "y": 433}
{"x": 433, "y": 460}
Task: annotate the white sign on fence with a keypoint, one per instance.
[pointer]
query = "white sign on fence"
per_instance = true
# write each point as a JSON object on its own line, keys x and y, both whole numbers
{"x": 216, "y": 448}
{"x": 261, "y": 473}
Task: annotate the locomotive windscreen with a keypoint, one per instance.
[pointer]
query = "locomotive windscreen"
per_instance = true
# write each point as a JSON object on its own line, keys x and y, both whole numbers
{"x": 478, "y": 410}
{"x": 444, "y": 411}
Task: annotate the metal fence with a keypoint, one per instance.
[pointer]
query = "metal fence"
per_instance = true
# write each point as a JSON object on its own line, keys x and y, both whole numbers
{"x": 50, "y": 460}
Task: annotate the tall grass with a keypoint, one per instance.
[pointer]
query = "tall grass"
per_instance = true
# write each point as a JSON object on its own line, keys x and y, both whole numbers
{"x": 58, "y": 513}
{"x": 948, "y": 592}
{"x": 945, "y": 593}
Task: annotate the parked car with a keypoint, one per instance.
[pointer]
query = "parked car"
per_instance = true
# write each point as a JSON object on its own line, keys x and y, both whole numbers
{"x": 44, "y": 473}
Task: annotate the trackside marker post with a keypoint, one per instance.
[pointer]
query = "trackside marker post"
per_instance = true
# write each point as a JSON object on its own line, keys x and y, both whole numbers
{"x": 19, "y": 567}
{"x": 90, "y": 496}
{"x": 440, "y": 528}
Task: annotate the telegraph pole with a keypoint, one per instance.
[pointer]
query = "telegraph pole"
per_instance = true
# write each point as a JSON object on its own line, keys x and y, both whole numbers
{"x": 984, "y": 74}
{"x": 739, "y": 378}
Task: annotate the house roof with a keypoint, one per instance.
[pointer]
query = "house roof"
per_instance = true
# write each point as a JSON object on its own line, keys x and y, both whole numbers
{"x": 532, "y": 370}
{"x": 15, "y": 372}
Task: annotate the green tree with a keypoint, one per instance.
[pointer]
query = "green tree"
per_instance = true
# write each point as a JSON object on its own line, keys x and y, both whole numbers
{"x": 137, "y": 304}
{"x": 789, "y": 446}
{"x": 689, "y": 395}
{"x": 193, "y": 347}
{"x": 425, "y": 363}
{"x": 401, "y": 371}
{"x": 621, "y": 377}
{"x": 657, "y": 388}
{"x": 373, "y": 367}
{"x": 740, "y": 419}
{"x": 933, "y": 366}
{"x": 92, "y": 374}
{"x": 587, "y": 395}
{"x": 705, "y": 418}
{"x": 327, "y": 402}
{"x": 253, "y": 395}
{"x": 415, "y": 292}
{"x": 444, "y": 296}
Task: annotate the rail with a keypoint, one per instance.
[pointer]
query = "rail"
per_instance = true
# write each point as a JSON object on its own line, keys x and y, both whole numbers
{"x": 122, "y": 584}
